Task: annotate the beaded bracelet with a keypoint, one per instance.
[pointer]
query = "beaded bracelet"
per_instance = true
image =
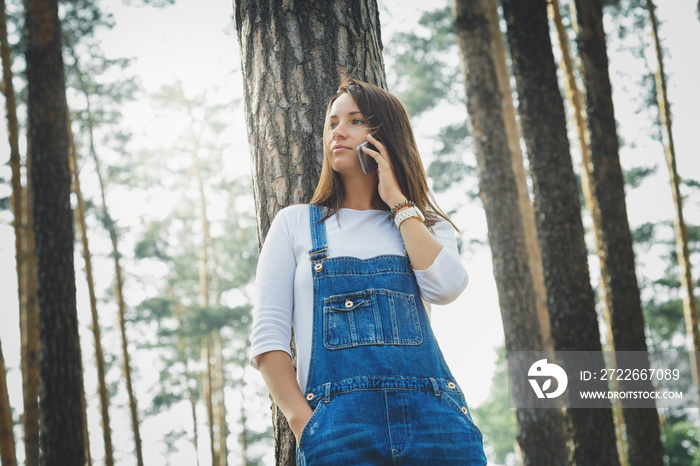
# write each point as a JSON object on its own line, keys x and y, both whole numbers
{"x": 400, "y": 206}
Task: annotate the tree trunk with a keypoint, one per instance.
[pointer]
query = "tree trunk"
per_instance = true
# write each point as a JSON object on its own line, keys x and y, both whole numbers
{"x": 29, "y": 330}
{"x": 541, "y": 433}
{"x": 574, "y": 97}
{"x": 498, "y": 51}
{"x": 96, "y": 332}
{"x": 293, "y": 55}
{"x": 62, "y": 440}
{"x": 86, "y": 433}
{"x": 690, "y": 305}
{"x": 570, "y": 297}
{"x": 119, "y": 291}
{"x": 209, "y": 401}
{"x": 613, "y": 238}
{"x": 25, "y": 258}
{"x": 7, "y": 436}
{"x": 220, "y": 404}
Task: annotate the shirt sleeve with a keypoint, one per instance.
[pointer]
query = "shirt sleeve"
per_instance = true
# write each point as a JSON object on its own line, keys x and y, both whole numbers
{"x": 274, "y": 292}
{"x": 446, "y": 278}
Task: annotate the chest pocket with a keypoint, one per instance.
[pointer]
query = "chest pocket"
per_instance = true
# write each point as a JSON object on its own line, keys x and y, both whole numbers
{"x": 371, "y": 317}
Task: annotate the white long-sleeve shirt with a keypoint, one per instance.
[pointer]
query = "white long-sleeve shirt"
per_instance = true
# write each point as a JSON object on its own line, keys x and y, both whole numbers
{"x": 284, "y": 286}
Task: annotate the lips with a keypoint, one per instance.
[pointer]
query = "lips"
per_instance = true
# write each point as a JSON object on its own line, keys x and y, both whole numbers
{"x": 339, "y": 147}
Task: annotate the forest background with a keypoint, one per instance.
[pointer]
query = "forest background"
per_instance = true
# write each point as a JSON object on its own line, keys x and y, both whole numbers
{"x": 182, "y": 78}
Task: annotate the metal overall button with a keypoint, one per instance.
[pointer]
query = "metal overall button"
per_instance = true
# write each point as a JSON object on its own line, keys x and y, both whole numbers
{"x": 318, "y": 267}
{"x": 451, "y": 385}
{"x": 310, "y": 396}
{"x": 349, "y": 303}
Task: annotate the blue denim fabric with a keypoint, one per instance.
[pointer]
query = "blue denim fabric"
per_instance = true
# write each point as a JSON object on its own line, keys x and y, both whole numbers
{"x": 378, "y": 383}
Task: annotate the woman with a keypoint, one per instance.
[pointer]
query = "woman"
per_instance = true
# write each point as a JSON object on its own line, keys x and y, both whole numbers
{"x": 350, "y": 274}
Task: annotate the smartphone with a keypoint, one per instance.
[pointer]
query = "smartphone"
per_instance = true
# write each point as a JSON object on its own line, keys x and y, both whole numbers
{"x": 367, "y": 162}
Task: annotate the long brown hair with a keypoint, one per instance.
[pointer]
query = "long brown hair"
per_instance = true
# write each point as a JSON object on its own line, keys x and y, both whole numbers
{"x": 391, "y": 126}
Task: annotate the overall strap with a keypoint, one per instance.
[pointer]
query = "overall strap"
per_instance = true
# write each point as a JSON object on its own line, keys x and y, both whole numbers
{"x": 319, "y": 245}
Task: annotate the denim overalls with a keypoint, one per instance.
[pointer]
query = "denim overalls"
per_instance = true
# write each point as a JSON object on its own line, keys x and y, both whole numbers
{"x": 378, "y": 384}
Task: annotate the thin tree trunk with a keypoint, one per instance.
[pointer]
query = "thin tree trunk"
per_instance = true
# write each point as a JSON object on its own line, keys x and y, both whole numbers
{"x": 220, "y": 405}
{"x": 570, "y": 297}
{"x": 62, "y": 439}
{"x": 96, "y": 332}
{"x": 208, "y": 399}
{"x": 25, "y": 259}
{"x": 603, "y": 186}
{"x": 215, "y": 399}
{"x": 690, "y": 306}
{"x": 119, "y": 282}
{"x": 541, "y": 432}
{"x": 193, "y": 405}
{"x": 289, "y": 76}
{"x": 498, "y": 50}
{"x": 7, "y": 436}
{"x": 243, "y": 437}
{"x": 187, "y": 377}
{"x": 119, "y": 291}
{"x": 86, "y": 433}
{"x": 574, "y": 97}
{"x": 7, "y": 439}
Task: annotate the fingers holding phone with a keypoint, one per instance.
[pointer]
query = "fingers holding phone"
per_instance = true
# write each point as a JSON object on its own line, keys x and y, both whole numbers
{"x": 367, "y": 162}
{"x": 389, "y": 190}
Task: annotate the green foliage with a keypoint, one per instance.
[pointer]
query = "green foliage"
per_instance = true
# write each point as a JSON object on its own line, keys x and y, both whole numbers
{"x": 449, "y": 167}
{"x": 495, "y": 418}
{"x": 425, "y": 63}
{"x": 644, "y": 234}
{"x": 635, "y": 176}
{"x": 681, "y": 441}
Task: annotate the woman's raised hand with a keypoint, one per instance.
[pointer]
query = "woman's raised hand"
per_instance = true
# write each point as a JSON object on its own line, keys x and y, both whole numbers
{"x": 389, "y": 189}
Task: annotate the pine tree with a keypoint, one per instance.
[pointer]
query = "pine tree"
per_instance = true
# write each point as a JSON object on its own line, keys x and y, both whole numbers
{"x": 570, "y": 297}
{"x": 541, "y": 432}
{"x": 62, "y": 440}
{"x": 289, "y": 76}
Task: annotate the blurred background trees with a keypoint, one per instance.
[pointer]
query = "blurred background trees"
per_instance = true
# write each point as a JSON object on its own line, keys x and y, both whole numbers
{"x": 167, "y": 204}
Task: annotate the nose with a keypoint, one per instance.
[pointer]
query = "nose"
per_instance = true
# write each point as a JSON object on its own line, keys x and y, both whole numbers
{"x": 337, "y": 133}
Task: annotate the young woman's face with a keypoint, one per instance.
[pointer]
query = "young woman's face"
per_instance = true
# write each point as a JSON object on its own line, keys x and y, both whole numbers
{"x": 348, "y": 128}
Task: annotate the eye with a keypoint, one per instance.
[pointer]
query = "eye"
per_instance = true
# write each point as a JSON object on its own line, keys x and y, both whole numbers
{"x": 358, "y": 121}
{"x": 332, "y": 125}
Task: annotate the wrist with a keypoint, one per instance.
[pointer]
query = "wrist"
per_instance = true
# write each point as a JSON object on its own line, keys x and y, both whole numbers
{"x": 403, "y": 203}
{"x": 298, "y": 420}
{"x": 396, "y": 201}
{"x": 406, "y": 213}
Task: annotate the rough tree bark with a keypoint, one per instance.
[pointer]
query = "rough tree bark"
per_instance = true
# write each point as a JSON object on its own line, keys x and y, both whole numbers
{"x": 613, "y": 238}
{"x": 570, "y": 297}
{"x": 498, "y": 50}
{"x": 62, "y": 439}
{"x": 541, "y": 432}
{"x": 293, "y": 54}
{"x": 573, "y": 95}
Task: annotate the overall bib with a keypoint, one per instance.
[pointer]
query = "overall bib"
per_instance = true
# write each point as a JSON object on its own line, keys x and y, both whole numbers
{"x": 379, "y": 387}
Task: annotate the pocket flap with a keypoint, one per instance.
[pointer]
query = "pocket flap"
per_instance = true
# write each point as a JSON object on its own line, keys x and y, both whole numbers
{"x": 346, "y": 303}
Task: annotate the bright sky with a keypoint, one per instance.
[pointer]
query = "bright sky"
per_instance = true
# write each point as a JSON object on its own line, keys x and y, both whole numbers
{"x": 194, "y": 42}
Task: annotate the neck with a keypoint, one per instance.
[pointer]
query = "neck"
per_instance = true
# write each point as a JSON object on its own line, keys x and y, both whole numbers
{"x": 361, "y": 193}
